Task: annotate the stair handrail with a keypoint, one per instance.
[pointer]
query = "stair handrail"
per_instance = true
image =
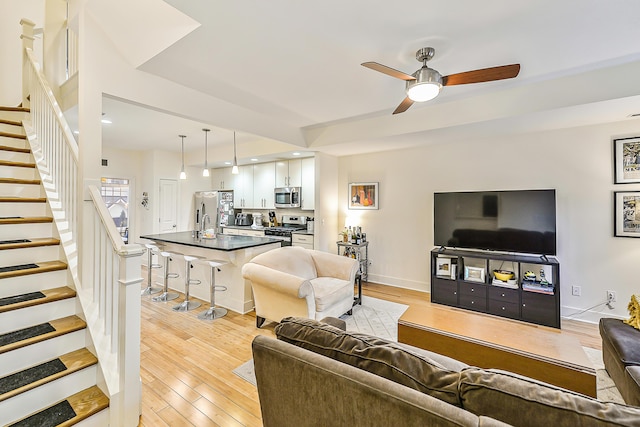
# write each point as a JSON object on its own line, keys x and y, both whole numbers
{"x": 111, "y": 302}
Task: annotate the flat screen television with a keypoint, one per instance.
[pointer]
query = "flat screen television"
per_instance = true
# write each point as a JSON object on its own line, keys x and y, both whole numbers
{"x": 522, "y": 221}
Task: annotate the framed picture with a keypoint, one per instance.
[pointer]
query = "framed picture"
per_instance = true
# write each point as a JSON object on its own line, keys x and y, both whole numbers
{"x": 443, "y": 267}
{"x": 626, "y": 157}
{"x": 627, "y": 213}
{"x": 363, "y": 195}
{"x": 474, "y": 274}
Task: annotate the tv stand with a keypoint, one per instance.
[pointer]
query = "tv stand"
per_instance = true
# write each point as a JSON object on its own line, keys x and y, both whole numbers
{"x": 466, "y": 279}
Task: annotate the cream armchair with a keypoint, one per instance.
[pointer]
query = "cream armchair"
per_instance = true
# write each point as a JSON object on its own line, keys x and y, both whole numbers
{"x": 293, "y": 281}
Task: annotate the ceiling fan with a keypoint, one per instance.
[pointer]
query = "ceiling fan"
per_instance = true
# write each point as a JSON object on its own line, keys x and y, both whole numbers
{"x": 425, "y": 84}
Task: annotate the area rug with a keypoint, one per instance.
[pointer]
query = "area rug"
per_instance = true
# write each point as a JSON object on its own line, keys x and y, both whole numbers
{"x": 374, "y": 317}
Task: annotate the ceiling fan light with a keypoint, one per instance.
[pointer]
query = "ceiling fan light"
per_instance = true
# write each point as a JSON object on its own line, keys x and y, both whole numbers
{"x": 421, "y": 92}
{"x": 426, "y": 86}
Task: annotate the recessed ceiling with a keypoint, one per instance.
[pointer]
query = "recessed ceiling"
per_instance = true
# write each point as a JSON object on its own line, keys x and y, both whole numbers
{"x": 297, "y": 64}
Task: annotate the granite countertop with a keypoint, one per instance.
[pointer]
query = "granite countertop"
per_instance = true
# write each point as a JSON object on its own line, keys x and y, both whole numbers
{"x": 221, "y": 242}
{"x": 305, "y": 231}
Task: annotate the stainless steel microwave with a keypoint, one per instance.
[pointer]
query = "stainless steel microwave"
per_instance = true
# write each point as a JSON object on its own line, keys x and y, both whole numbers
{"x": 287, "y": 197}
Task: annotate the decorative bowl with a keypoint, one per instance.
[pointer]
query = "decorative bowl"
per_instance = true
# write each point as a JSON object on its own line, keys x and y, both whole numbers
{"x": 503, "y": 275}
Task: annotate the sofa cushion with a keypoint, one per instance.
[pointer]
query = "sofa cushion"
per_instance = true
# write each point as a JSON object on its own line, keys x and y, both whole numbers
{"x": 293, "y": 260}
{"x": 624, "y": 339}
{"x": 328, "y": 291}
{"x": 632, "y": 385}
{"x": 522, "y": 401}
{"x": 436, "y": 376}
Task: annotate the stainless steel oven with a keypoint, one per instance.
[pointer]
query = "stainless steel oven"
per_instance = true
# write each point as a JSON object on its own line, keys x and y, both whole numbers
{"x": 287, "y": 197}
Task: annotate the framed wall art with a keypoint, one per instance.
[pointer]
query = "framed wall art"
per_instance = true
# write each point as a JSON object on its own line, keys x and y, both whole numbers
{"x": 626, "y": 157}
{"x": 363, "y": 195}
{"x": 627, "y": 213}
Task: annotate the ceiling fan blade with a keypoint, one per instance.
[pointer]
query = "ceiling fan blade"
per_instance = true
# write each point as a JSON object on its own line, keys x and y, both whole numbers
{"x": 404, "y": 106}
{"x": 484, "y": 75}
{"x": 388, "y": 71}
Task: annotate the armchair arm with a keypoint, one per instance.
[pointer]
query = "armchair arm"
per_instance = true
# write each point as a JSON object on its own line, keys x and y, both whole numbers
{"x": 277, "y": 280}
{"x": 332, "y": 265}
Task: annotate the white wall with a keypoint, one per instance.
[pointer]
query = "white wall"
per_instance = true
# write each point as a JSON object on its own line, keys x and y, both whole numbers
{"x": 576, "y": 162}
{"x": 11, "y": 47}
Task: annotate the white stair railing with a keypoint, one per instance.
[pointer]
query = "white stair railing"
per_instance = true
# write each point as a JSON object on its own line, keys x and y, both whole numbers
{"x": 111, "y": 301}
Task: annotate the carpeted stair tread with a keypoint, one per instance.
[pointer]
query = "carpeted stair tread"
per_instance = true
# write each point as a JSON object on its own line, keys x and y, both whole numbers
{"x": 30, "y": 378}
{"x": 25, "y": 334}
{"x": 61, "y": 326}
{"x": 84, "y": 404}
{"x": 15, "y": 149}
{"x": 52, "y": 416}
{"x": 42, "y": 267}
{"x": 13, "y": 199}
{"x": 20, "y": 181}
{"x": 18, "y": 267}
{"x": 16, "y": 302}
{"x": 17, "y": 164}
{"x": 25, "y": 220}
{"x": 28, "y": 243}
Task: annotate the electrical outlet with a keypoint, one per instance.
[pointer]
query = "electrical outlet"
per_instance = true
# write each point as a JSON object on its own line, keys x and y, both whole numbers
{"x": 611, "y": 296}
{"x": 576, "y": 291}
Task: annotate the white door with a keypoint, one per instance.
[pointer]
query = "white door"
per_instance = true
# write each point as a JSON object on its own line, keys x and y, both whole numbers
{"x": 168, "y": 205}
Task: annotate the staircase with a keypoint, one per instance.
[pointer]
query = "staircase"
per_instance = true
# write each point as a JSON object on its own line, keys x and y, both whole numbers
{"x": 48, "y": 376}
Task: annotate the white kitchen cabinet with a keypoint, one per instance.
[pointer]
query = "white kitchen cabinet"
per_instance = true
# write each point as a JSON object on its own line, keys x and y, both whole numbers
{"x": 243, "y": 232}
{"x": 304, "y": 240}
{"x": 308, "y": 184}
{"x": 289, "y": 173}
{"x": 264, "y": 181}
{"x": 243, "y": 187}
{"x": 250, "y": 232}
{"x": 222, "y": 179}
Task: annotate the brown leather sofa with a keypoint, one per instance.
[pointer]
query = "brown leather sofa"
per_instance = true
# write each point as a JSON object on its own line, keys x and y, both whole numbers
{"x": 621, "y": 354}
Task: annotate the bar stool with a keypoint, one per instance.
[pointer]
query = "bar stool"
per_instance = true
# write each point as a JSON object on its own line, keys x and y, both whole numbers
{"x": 151, "y": 249}
{"x": 187, "y": 304}
{"x": 214, "y": 312}
{"x": 166, "y": 295}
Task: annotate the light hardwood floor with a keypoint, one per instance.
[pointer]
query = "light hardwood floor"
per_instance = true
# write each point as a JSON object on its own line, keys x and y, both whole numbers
{"x": 186, "y": 363}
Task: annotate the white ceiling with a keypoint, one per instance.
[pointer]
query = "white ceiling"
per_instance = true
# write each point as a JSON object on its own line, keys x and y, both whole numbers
{"x": 297, "y": 65}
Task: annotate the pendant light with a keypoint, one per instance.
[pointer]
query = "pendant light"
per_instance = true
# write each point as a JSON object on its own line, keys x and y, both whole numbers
{"x": 183, "y": 174}
{"x": 205, "y": 171}
{"x": 234, "y": 169}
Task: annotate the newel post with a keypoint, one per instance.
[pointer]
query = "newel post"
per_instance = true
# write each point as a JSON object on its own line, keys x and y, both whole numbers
{"x": 130, "y": 393}
{"x": 27, "y": 43}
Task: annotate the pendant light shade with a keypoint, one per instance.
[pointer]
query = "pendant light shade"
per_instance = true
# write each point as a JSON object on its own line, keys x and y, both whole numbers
{"x": 205, "y": 171}
{"x": 183, "y": 174}
{"x": 234, "y": 169}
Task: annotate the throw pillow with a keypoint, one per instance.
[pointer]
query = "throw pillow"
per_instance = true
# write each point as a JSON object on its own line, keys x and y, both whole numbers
{"x": 525, "y": 402}
{"x": 424, "y": 371}
{"x": 634, "y": 312}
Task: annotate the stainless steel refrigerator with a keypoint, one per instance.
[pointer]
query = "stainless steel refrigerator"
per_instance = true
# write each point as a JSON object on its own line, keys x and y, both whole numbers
{"x": 217, "y": 206}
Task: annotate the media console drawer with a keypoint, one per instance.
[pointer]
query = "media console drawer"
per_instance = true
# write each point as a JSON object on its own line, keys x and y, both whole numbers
{"x": 444, "y": 291}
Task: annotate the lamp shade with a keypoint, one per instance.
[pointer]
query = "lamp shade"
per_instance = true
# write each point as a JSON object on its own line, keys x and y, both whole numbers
{"x": 205, "y": 171}
{"x": 183, "y": 174}
{"x": 234, "y": 169}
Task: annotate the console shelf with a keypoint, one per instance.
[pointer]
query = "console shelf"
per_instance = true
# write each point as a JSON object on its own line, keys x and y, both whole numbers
{"x": 466, "y": 279}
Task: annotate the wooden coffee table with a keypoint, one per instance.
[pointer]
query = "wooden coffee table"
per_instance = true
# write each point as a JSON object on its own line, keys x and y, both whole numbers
{"x": 489, "y": 342}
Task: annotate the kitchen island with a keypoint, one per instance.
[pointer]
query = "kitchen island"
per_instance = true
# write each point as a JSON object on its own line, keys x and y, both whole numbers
{"x": 234, "y": 250}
